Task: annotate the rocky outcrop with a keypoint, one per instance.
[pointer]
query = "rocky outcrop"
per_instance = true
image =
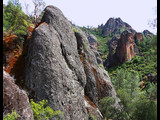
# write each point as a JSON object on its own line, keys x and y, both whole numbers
{"x": 138, "y": 37}
{"x": 15, "y": 99}
{"x": 54, "y": 70}
{"x": 148, "y": 34}
{"x": 62, "y": 67}
{"x": 112, "y": 60}
{"x": 93, "y": 44}
{"x": 98, "y": 81}
{"x": 121, "y": 50}
{"x": 125, "y": 49}
{"x": 92, "y": 39}
{"x": 115, "y": 26}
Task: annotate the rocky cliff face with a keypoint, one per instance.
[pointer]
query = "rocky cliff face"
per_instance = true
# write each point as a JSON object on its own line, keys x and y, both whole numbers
{"x": 98, "y": 81}
{"x": 122, "y": 49}
{"x": 138, "y": 37}
{"x": 62, "y": 67}
{"x": 54, "y": 70}
{"x": 15, "y": 99}
{"x": 125, "y": 49}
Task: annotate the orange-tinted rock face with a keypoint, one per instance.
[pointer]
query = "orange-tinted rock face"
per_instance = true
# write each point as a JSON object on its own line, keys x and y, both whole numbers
{"x": 11, "y": 51}
{"x": 124, "y": 50}
{"x": 14, "y": 57}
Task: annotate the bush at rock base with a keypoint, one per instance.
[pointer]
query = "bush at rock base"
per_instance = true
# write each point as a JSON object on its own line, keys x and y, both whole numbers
{"x": 42, "y": 111}
{"x": 12, "y": 116}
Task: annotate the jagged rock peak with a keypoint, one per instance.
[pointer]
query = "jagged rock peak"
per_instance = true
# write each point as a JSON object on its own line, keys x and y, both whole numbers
{"x": 147, "y": 34}
{"x": 118, "y": 22}
{"x": 115, "y": 25}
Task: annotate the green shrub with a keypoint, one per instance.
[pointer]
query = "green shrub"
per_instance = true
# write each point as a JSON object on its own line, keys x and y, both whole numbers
{"x": 12, "y": 116}
{"x": 100, "y": 65}
{"x": 144, "y": 109}
{"x": 75, "y": 30}
{"x": 91, "y": 117}
{"x": 15, "y": 21}
{"x": 109, "y": 111}
{"x": 42, "y": 111}
{"x": 85, "y": 46}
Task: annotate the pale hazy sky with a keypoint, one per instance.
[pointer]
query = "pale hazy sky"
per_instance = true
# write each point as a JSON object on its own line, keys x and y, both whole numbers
{"x": 136, "y": 13}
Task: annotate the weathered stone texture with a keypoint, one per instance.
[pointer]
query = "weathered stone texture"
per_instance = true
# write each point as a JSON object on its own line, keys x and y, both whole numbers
{"x": 125, "y": 49}
{"x": 54, "y": 70}
{"x": 98, "y": 81}
{"x": 62, "y": 66}
{"x": 121, "y": 49}
{"x": 114, "y": 25}
{"x": 15, "y": 99}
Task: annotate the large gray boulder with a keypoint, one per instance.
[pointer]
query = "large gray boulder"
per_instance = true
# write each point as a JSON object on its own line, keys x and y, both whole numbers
{"x": 62, "y": 67}
{"x": 53, "y": 69}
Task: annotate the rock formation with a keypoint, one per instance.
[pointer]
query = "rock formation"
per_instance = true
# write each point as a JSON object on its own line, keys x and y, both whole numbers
{"x": 123, "y": 45}
{"x": 115, "y": 26}
{"x": 121, "y": 49}
{"x": 125, "y": 49}
{"x": 15, "y": 99}
{"x": 96, "y": 76}
{"x": 147, "y": 34}
{"x": 138, "y": 37}
{"x": 54, "y": 71}
{"x": 63, "y": 68}
{"x": 92, "y": 39}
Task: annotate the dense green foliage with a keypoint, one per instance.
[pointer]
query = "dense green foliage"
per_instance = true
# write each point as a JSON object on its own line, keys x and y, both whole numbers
{"x": 42, "y": 111}
{"x": 126, "y": 80}
{"x": 144, "y": 109}
{"x": 136, "y": 104}
{"x": 91, "y": 117}
{"x": 12, "y": 116}
{"x": 15, "y": 20}
{"x": 108, "y": 109}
